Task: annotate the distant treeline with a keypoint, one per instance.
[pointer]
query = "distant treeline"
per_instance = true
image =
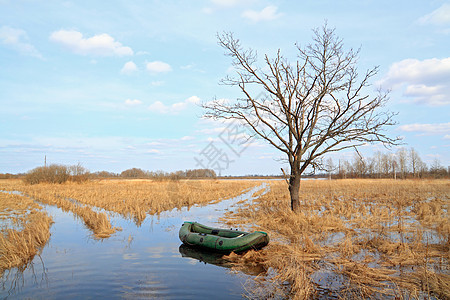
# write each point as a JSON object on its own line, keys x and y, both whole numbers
{"x": 56, "y": 173}
{"x": 405, "y": 163}
{"x": 157, "y": 175}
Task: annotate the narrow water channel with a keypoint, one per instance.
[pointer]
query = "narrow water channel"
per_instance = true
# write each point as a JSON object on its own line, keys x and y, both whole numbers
{"x": 137, "y": 262}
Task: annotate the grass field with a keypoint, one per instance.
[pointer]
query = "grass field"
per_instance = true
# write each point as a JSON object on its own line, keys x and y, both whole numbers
{"x": 356, "y": 238}
{"x": 351, "y": 238}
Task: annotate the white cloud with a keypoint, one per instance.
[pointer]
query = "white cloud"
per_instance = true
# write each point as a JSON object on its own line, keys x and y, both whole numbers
{"x": 187, "y": 138}
{"x": 159, "y": 107}
{"x": 187, "y": 67}
{"x": 192, "y": 67}
{"x": 81, "y": 142}
{"x": 134, "y": 102}
{"x": 267, "y": 14}
{"x": 416, "y": 71}
{"x": 428, "y": 129}
{"x": 101, "y": 44}
{"x": 433, "y": 95}
{"x": 175, "y": 108}
{"x": 213, "y": 130}
{"x": 129, "y": 68}
{"x": 440, "y": 16}
{"x": 156, "y": 144}
{"x": 226, "y": 3}
{"x": 158, "y": 67}
{"x": 212, "y": 139}
{"x": 153, "y": 151}
{"x": 193, "y": 100}
{"x": 426, "y": 81}
{"x": 422, "y": 89}
{"x": 207, "y": 10}
{"x": 142, "y": 53}
{"x": 179, "y": 106}
{"x": 157, "y": 83}
{"x": 17, "y": 39}
{"x": 218, "y": 101}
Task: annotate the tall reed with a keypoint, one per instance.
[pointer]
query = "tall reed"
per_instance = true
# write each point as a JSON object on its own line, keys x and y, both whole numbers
{"x": 25, "y": 230}
{"x": 369, "y": 234}
{"x": 134, "y": 199}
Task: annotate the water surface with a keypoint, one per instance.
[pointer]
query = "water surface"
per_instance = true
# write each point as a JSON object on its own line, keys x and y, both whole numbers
{"x": 143, "y": 261}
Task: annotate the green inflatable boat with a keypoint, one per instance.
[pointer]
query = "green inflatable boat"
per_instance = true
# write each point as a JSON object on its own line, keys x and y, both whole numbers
{"x": 222, "y": 240}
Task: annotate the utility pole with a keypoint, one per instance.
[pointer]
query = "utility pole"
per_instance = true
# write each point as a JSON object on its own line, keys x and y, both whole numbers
{"x": 45, "y": 161}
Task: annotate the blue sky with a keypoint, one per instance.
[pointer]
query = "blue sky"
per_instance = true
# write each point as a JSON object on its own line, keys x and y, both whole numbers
{"x": 114, "y": 85}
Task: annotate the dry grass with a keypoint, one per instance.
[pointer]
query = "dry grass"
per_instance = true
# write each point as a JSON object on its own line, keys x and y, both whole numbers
{"x": 378, "y": 237}
{"x": 135, "y": 198}
{"x": 25, "y": 230}
{"x": 98, "y": 222}
{"x": 132, "y": 199}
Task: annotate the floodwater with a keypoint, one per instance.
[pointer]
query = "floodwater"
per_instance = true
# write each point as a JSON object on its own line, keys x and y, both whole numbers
{"x": 146, "y": 261}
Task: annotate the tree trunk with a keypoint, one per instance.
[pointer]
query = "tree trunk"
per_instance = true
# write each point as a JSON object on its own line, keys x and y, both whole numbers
{"x": 294, "y": 191}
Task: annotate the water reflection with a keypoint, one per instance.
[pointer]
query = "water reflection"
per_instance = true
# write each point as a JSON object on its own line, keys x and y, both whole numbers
{"x": 14, "y": 280}
{"x": 248, "y": 267}
{"x": 204, "y": 256}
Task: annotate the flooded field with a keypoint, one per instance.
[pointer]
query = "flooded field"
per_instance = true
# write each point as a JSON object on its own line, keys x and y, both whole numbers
{"x": 381, "y": 239}
{"x": 144, "y": 261}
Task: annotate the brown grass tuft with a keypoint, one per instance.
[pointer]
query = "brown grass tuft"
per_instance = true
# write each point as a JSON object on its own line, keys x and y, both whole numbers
{"x": 24, "y": 237}
{"x": 384, "y": 237}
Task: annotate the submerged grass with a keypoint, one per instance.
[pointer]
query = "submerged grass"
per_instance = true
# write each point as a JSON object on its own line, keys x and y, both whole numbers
{"x": 132, "y": 199}
{"x": 357, "y": 238}
{"x": 24, "y": 230}
{"x": 98, "y": 222}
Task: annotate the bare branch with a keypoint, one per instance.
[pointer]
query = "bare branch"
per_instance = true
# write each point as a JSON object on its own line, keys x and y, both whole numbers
{"x": 316, "y": 105}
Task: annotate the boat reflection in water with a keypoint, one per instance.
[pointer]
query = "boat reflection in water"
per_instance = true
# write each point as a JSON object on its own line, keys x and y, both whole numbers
{"x": 207, "y": 257}
{"x": 220, "y": 259}
{"x": 258, "y": 285}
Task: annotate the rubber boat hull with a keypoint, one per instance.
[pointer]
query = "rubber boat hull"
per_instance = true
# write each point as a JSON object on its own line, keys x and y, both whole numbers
{"x": 221, "y": 240}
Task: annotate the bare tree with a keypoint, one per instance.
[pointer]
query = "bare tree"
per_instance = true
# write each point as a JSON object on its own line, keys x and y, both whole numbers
{"x": 330, "y": 168}
{"x": 386, "y": 164}
{"x": 402, "y": 157}
{"x": 394, "y": 165}
{"x": 378, "y": 163}
{"x": 78, "y": 173}
{"x": 422, "y": 168}
{"x": 312, "y": 106}
{"x": 437, "y": 169}
{"x": 415, "y": 161}
{"x": 359, "y": 165}
{"x": 345, "y": 169}
{"x": 133, "y": 173}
